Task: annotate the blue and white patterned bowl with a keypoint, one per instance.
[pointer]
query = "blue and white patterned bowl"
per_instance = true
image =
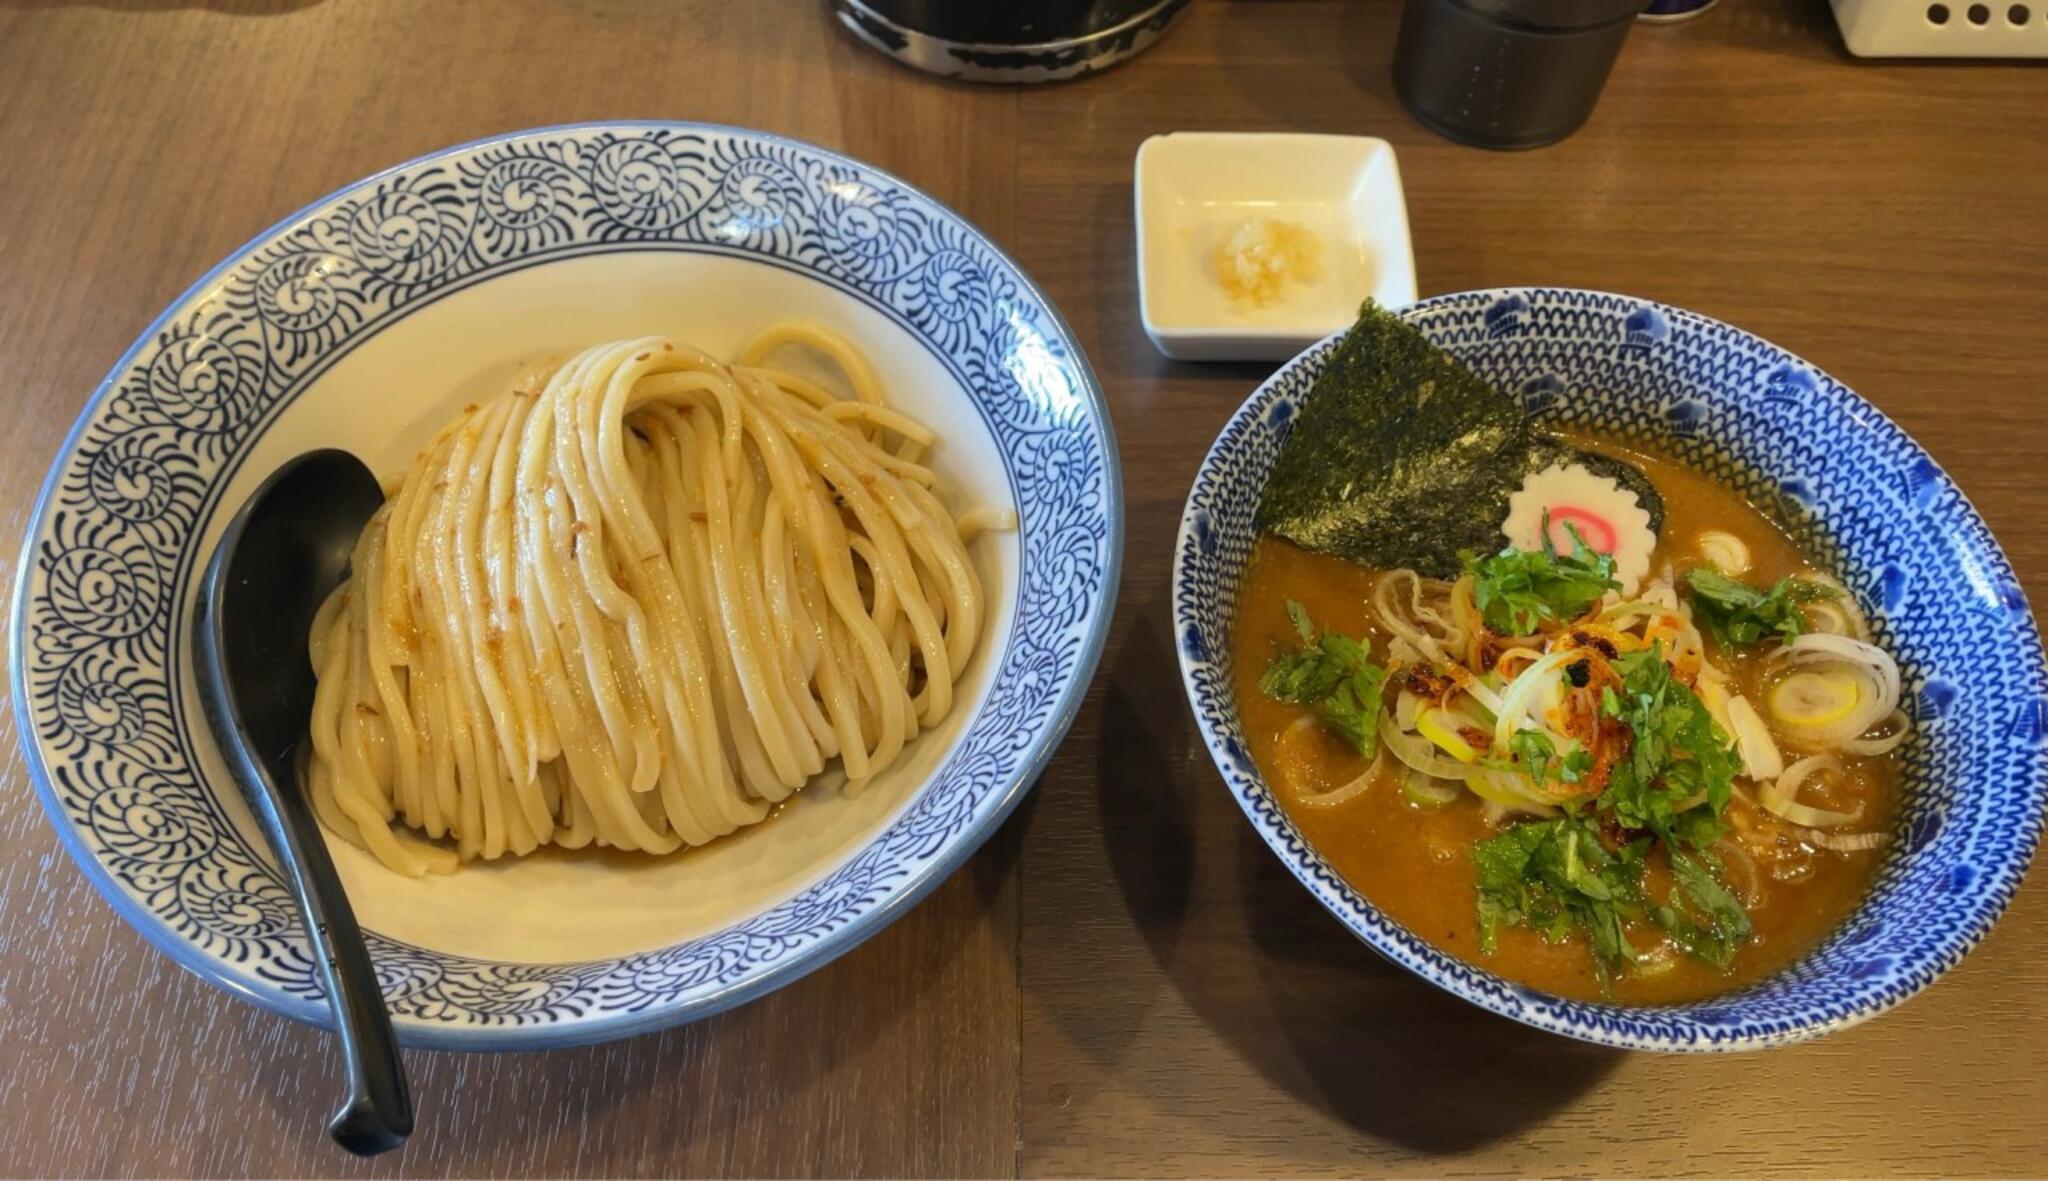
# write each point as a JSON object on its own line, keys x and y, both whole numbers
{"x": 371, "y": 316}
{"x": 1867, "y": 501}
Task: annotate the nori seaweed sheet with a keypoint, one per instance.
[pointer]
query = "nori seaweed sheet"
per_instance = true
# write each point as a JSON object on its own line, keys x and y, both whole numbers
{"x": 1403, "y": 457}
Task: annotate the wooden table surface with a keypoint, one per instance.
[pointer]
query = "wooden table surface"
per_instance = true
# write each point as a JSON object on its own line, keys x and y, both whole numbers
{"x": 1123, "y": 981}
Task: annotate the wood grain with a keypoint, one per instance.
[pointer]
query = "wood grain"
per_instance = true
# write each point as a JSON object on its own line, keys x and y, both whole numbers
{"x": 1206, "y": 1016}
{"x": 1124, "y": 981}
{"x": 143, "y": 143}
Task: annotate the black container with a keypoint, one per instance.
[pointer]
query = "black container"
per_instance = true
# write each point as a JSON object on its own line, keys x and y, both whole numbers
{"x": 1508, "y": 73}
{"x": 1008, "y": 40}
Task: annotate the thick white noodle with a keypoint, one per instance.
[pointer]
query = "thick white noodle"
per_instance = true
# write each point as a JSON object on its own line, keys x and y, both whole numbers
{"x": 637, "y": 601}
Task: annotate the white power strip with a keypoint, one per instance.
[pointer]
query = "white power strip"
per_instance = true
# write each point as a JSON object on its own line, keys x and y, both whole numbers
{"x": 1950, "y": 28}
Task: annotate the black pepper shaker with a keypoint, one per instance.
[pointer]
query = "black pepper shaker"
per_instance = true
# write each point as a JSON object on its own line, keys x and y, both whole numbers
{"x": 1508, "y": 73}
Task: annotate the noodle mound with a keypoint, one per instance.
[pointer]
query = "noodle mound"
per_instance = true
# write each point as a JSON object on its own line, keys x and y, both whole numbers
{"x": 637, "y": 601}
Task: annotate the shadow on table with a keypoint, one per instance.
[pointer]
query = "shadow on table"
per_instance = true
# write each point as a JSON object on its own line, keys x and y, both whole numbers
{"x": 1293, "y": 992}
{"x": 1385, "y": 1051}
{"x": 690, "y": 1089}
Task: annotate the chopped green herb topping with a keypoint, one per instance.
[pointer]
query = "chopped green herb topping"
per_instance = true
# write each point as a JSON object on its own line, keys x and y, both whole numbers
{"x": 1536, "y": 755}
{"x": 1555, "y": 877}
{"x": 1558, "y": 876}
{"x": 1715, "y": 925}
{"x": 1561, "y": 875}
{"x": 1680, "y": 768}
{"x": 1335, "y": 674}
{"x": 1739, "y": 614}
{"x": 1518, "y": 591}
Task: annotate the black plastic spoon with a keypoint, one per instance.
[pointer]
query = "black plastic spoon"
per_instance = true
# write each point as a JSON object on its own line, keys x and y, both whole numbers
{"x": 280, "y": 557}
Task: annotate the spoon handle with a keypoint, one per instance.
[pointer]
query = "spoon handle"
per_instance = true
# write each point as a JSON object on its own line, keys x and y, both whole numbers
{"x": 377, "y": 1116}
{"x": 280, "y": 556}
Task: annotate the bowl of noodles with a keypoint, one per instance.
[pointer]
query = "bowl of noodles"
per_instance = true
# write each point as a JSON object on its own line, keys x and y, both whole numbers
{"x": 751, "y": 530}
{"x": 1613, "y": 669}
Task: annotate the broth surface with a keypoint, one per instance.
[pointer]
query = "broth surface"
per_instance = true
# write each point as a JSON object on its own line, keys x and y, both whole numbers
{"x": 1414, "y": 863}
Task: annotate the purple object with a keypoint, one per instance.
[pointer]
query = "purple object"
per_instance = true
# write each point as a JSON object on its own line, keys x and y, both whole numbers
{"x": 1676, "y": 10}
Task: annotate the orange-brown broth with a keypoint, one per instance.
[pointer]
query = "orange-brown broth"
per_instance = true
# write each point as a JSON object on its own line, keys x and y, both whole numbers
{"x": 1413, "y": 863}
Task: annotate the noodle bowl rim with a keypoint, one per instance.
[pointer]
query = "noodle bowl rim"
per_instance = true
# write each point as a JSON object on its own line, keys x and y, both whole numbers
{"x": 1247, "y": 443}
{"x": 836, "y": 935}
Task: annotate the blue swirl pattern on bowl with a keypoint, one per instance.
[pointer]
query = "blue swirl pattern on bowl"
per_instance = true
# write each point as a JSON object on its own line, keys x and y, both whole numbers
{"x": 1863, "y": 497}
{"x": 103, "y": 594}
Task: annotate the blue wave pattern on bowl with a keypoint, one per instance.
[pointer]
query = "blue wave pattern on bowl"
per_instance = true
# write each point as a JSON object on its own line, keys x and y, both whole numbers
{"x": 102, "y": 601}
{"x": 1862, "y": 496}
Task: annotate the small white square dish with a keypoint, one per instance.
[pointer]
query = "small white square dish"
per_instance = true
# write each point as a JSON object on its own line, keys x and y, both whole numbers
{"x": 1196, "y": 192}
